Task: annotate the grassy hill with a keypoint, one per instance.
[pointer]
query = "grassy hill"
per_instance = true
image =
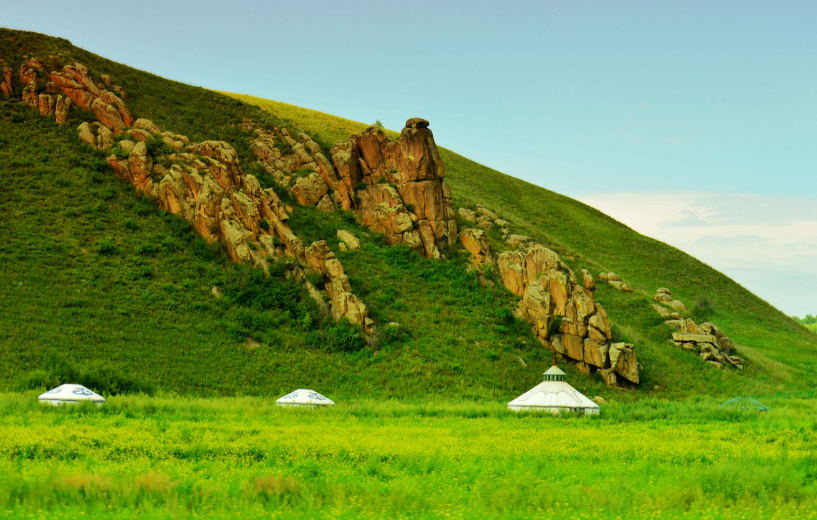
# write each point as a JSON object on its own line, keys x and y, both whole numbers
{"x": 101, "y": 287}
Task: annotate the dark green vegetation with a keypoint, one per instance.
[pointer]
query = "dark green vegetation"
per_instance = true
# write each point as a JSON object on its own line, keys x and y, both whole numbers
{"x": 101, "y": 288}
{"x": 139, "y": 457}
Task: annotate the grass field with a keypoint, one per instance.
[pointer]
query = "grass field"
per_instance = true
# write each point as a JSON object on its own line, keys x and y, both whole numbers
{"x": 171, "y": 457}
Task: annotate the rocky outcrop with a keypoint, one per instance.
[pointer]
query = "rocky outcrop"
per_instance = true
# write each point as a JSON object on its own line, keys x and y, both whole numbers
{"x": 564, "y": 315}
{"x": 714, "y": 347}
{"x": 203, "y": 184}
{"x": 397, "y": 188}
{"x": 664, "y": 296}
{"x": 475, "y": 242}
{"x": 615, "y": 281}
{"x": 96, "y": 135}
{"x": 483, "y": 217}
{"x": 6, "y": 85}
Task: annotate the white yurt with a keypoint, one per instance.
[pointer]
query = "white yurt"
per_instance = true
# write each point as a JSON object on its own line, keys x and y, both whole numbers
{"x": 554, "y": 395}
{"x": 304, "y": 397}
{"x": 70, "y": 394}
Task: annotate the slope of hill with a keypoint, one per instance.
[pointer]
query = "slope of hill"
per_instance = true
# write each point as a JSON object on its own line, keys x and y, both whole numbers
{"x": 105, "y": 288}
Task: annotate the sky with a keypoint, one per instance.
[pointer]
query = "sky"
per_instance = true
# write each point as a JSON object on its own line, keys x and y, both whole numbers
{"x": 692, "y": 122}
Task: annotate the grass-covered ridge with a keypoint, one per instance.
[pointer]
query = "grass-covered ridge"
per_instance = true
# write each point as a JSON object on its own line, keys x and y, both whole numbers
{"x": 101, "y": 286}
{"x": 783, "y": 352}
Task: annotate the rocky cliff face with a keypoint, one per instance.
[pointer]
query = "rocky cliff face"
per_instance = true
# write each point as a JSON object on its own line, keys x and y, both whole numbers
{"x": 397, "y": 188}
{"x": 200, "y": 182}
{"x": 564, "y": 315}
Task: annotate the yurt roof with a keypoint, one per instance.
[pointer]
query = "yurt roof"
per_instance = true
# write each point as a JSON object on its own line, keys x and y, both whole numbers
{"x": 553, "y": 394}
{"x": 304, "y": 397}
{"x": 71, "y": 393}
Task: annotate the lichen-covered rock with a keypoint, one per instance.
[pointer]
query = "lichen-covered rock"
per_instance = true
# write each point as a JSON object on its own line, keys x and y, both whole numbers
{"x": 61, "y": 110}
{"x": 476, "y": 242}
{"x": 310, "y": 190}
{"x": 563, "y": 314}
{"x": 347, "y": 238}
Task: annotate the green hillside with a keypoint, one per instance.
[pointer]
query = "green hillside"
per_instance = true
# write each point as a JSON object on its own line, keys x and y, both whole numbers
{"x": 101, "y": 287}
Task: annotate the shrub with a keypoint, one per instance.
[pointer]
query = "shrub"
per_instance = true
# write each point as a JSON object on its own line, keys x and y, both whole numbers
{"x": 703, "y": 308}
{"x": 107, "y": 248}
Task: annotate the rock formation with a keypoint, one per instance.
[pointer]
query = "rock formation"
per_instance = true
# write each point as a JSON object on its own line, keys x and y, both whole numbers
{"x": 397, "y": 188}
{"x": 483, "y": 217}
{"x": 6, "y": 86}
{"x": 200, "y": 182}
{"x": 564, "y": 315}
{"x": 714, "y": 347}
{"x": 475, "y": 242}
{"x": 664, "y": 296}
{"x": 615, "y": 281}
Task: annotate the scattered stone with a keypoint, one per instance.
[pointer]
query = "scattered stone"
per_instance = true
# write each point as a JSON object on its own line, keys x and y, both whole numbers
{"x": 522, "y": 362}
{"x": 599, "y": 400}
{"x": 217, "y": 291}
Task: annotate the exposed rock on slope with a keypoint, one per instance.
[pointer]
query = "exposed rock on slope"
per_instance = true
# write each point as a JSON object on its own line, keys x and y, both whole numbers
{"x": 396, "y": 187}
{"x": 564, "y": 315}
{"x": 714, "y": 347}
{"x": 201, "y": 182}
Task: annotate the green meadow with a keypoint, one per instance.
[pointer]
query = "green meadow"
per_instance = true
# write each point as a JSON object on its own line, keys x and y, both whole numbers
{"x": 177, "y": 457}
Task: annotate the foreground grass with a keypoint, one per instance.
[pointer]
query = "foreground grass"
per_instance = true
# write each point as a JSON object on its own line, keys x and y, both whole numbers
{"x": 179, "y": 458}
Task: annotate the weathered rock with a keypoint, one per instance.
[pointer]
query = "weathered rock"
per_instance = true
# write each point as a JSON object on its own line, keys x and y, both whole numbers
{"x": 347, "y": 238}
{"x": 310, "y": 189}
{"x": 623, "y": 361}
{"x": 108, "y": 116}
{"x": 468, "y": 214}
{"x": 120, "y": 92}
{"x": 599, "y": 400}
{"x": 147, "y": 125}
{"x": 551, "y": 294}
{"x": 476, "y": 242}
{"x": 663, "y": 295}
{"x": 662, "y": 311}
{"x": 695, "y": 338}
{"x": 516, "y": 241}
{"x": 7, "y": 86}
{"x": 61, "y": 110}
{"x": 613, "y": 277}
{"x": 217, "y": 291}
{"x": 678, "y": 305}
{"x": 46, "y": 104}
{"x": 587, "y": 279}
{"x": 413, "y": 166}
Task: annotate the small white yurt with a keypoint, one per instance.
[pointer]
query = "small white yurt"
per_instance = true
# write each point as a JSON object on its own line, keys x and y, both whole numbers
{"x": 554, "y": 395}
{"x": 70, "y": 394}
{"x": 304, "y": 397}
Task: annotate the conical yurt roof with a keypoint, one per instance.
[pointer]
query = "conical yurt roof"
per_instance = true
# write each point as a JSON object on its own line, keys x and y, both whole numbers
{"x": 554, "y": 395}
{"x": 304, "y": 397}
{"x": 70, "y": 393}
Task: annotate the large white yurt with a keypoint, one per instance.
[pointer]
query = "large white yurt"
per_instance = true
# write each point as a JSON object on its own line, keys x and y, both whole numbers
{"x": 554, "y": 395}
{"x": 70, "y": 394}
{"x": 304, "y": 397}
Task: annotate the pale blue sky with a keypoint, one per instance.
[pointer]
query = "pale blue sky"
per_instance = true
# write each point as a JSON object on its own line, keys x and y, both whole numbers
{"x": 583, "y": 98}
